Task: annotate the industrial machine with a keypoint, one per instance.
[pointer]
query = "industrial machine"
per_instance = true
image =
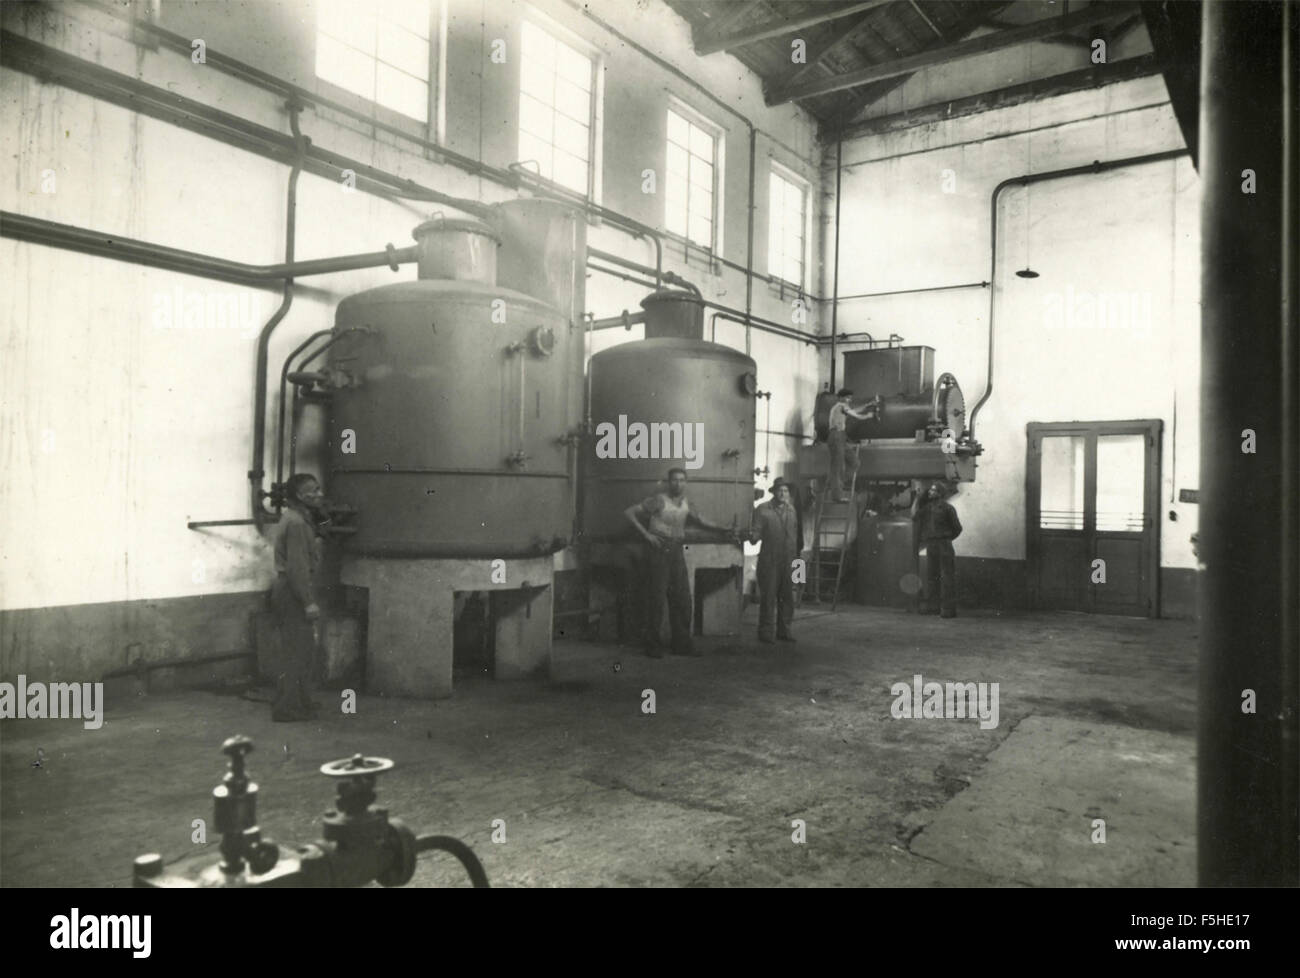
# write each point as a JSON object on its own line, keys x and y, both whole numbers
{"x": 919, "y": 429}
{"x": 361, "y": 843}
{"x": 918, "y": 432}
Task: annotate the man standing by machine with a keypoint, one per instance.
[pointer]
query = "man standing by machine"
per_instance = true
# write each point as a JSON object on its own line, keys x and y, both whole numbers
{"x": 661, "y": 521}
{"x": 775, "y": 526}
{"x": 837, "y": 442}
{"x": 938, "y": 526}
{"x": 294, "y": 597}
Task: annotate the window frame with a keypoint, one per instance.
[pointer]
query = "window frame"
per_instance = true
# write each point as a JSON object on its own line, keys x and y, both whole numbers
{"x": 718, "y": 132}
{"x": 595, "y": 118}
{"x": 433, "y": 127}
{"x": 790, "y": 176}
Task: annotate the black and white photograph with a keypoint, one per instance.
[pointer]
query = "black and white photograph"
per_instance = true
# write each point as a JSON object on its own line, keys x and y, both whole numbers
{"x": 650, "y": 444}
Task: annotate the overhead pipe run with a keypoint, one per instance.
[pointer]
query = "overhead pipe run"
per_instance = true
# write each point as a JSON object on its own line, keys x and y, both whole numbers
{"x": 52, "y": 234}
{"x": 725, "y": 312}
{"x": 50, "y": 64}
{"x": 1096, "y": 166}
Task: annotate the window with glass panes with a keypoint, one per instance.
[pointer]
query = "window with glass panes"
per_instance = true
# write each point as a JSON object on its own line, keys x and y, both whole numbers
{"x": 555, "y": 109}
{"x": 378, "y": 50}
{"x": 691, "y": 180}
{"x": 786, "y": 217}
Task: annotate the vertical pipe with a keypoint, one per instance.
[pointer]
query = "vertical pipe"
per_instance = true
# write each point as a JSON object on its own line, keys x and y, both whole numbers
{"x": 255, "y": 473}
{"x": 749, "y": 247}
{"x": 835, "y": 288}
{"x": 1247, "y": 820}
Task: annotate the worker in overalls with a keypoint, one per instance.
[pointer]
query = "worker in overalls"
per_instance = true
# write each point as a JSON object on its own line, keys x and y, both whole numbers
{"x": 661, "y": 521}
{"x": 937, "y": 527}
{"x": 842, "y": 456}
{"x": 295, "y": 598}
{"x": 775, "y": 526}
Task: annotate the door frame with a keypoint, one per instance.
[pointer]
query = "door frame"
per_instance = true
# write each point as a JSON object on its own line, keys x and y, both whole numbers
{"x": 1153, "y": 429}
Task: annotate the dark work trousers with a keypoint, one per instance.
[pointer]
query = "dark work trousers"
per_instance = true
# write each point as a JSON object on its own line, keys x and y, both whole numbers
{"x": 843, "y": 457}
{"x": 776, "y": 592}
{"x": 940, "y": 577}
{"x": 298, "y": 654}
{"x": 669, "y": 583}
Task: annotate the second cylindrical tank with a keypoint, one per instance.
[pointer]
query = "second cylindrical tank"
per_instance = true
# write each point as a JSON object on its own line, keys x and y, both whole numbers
{"x": 668, "y": 403}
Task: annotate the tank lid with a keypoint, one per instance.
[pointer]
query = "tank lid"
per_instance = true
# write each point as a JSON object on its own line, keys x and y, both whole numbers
{"x": 671, "y": 295}
{"x": 436, "y": 225}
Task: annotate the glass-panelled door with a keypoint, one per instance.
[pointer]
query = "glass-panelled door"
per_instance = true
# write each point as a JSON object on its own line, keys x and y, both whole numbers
{"x": 1092, "y": 539}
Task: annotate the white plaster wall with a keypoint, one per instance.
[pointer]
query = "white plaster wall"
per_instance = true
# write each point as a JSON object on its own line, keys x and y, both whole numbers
{"x": 114, "y": 431}
{"x": 1132, "y": 232}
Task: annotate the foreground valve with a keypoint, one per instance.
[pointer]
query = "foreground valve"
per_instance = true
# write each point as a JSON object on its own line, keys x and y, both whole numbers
{"x": 361, "y": 843}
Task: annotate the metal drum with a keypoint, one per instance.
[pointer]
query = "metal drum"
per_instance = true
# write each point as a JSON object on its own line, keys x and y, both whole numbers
{"x": 452, "y": 414}
{"x": 667, "y": 385}
{"x": 931, "y": 411}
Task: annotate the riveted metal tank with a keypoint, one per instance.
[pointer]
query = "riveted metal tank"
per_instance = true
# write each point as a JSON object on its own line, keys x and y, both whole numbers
{"x": 453, "y": 410}
{"x": 675, "y": 386}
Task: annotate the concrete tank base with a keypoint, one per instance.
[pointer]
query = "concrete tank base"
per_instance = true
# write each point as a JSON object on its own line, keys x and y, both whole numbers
{"x": 411, "y": 617}
{"x": 715, "y": 570}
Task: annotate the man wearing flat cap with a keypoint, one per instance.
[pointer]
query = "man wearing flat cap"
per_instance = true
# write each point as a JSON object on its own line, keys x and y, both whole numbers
{"x": 775, "y": 526}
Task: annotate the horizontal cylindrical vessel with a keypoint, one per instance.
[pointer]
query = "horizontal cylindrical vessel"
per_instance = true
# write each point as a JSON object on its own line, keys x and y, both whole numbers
{"x": 903, "y": 415}
{"x": 669, "y": 403}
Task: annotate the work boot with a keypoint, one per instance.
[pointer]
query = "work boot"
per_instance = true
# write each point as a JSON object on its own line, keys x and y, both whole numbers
{"x": 654, "y": 652}
{"x": 786, "y": 637}
{"x": 766, "y": 639}
{"x": 689, "y": 650}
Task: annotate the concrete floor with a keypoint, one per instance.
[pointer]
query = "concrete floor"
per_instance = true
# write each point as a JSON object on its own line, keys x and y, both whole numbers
{"x": 1097, "y": 721}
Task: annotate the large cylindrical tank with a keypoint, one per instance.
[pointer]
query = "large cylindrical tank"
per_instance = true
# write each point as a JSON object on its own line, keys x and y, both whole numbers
{"x": 451, "y": 412}
{"x": 671, "y": 386}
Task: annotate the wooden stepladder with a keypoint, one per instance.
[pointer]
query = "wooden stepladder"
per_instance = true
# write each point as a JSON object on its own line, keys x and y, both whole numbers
{"x": 831, "y": 542}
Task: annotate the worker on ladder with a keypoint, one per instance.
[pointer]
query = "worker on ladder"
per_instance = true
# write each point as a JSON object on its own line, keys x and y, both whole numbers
{"x": 838, "y": 445}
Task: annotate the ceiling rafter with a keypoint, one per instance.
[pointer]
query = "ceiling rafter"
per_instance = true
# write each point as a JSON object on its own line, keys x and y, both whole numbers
{"x": 763, "y": 32}
{"x": 1054, "y": 26}
{"x": 837, "y": 42}
{"x": 721, "y": 25}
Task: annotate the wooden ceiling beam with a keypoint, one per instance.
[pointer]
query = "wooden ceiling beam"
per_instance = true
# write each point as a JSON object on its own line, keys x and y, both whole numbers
{"x": 763, "y": 32}
{"x": 1050, "y": 27}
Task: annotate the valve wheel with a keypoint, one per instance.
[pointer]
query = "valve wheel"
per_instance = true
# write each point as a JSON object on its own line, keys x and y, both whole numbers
{"x": 356, "y": 765}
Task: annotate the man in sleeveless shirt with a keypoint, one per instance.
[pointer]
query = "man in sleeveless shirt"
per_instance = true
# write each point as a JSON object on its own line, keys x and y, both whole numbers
{"x": 661, "y": 521}
{"x": 842, "y": 456}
